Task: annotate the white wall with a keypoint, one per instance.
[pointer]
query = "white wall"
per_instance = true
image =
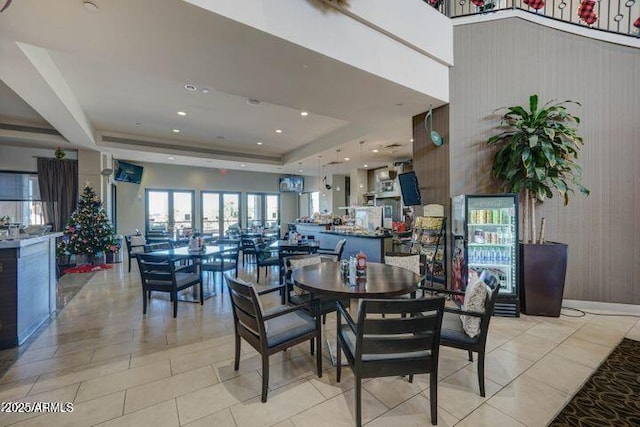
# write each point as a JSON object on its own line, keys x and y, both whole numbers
{"x": 131, "y": 197}
{"x": 23, "y": 159}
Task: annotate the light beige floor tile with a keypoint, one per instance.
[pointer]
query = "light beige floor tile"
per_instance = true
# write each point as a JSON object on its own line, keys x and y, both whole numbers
{"x": 285, "y": 423}
{"x": 459, "y": 394}
{"x": 84, "y": 414}
{"x": 620, "y": 324}
{"x": 340, "y": 411}
{"x": 281, "y": 404}
{"x": 93, "y": 343}
{"x": 495, "y": 339}
{"x": 415, "y": 412}
{"x": 560, "y": 373}
{"x": 63, "y": 394}
{"x": 141, "y": 360}
{"x": 163, "y": 414}
{"x": 529, "y": 401}
{"x": 451, "y": 360}
{"x": 158, "y": 391}
{"x": 212, "y": 399}
{"x": 394, "y": 390}
{"x": 189, "y": 361}
{"x": 553, "y": 331}
{"x": 634, "y": 333}
{"x": 37, "y": 354}
{"x": 290, "y": 370}
{"x": 502, "y": 367}
{"x": 219, "y": 419}
{"x": 122, "y": 380}
{"x": 16, "y": 389}
{"x": 328, "y": 386}
{"x": 62, "y": 378}
{"x": 528, "y": 346}
{"x": 487, "y": 416}
{"x": 583, "y": 352}
{"x": 599, "y": 334}
{"x": 25, "y": 370}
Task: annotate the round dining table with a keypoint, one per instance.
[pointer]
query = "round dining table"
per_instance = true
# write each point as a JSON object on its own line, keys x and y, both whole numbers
{"x": 380, "y": 281}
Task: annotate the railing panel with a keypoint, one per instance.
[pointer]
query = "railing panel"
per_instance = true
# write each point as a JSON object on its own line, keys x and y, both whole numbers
{"x": 616, "y": 16}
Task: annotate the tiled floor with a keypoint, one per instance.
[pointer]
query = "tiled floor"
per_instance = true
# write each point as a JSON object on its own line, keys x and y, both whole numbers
{"x": 122, "y": 369}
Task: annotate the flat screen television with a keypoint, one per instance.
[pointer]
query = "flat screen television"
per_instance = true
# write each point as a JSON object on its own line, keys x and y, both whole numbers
{"x": 293, "y": 184}
{"x": 127, "y": 172}
{"x": 410, "y": 189}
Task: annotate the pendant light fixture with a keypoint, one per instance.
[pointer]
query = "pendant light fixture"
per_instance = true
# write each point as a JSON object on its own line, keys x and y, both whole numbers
{"x": 360, "y": 160}
{"x": 436, "y": 138}
{"x": 337, "y": 161}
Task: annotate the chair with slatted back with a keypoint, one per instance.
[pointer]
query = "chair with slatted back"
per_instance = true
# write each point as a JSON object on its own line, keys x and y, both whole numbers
{"x": 158, "y": 273}
{"x": 405, "y": 344}
{"x": 226, "y": 260}
{"x": 269, "y": 331}
{"x": 333, "y": 254}
{"x": 135, "y": 245}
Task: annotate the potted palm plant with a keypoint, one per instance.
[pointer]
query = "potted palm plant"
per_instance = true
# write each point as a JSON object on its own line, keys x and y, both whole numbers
{"x": 536, "y": 155}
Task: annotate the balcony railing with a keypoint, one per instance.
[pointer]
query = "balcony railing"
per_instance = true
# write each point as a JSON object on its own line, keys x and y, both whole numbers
{"x": 614, "y": 16}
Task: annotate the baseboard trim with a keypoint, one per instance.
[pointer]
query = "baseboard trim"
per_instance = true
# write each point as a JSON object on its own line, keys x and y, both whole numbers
{"x": 602, "y": 306}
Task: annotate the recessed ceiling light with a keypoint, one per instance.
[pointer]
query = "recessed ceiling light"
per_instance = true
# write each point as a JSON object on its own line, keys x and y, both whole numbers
{"x": 361, "y": 185}
{"x": 375, "y": 150}
{"x": 176, "y": 131}
{"x": 278, "y": 130}
{"x": 190, "y": 87}
{"x": 242, "y": 165}
{"x": 366, "y": 166}
{"x": 205, "y": 90}
{"x": 253, "y": 101}
{"x": 259, "y": 143}
{"x": 304, "y": 113}
{"x": 300, "y": 170}
{"x": 346, "y": 159}
{"x": 91, "y": 7}
{"x": 411, "y": 140}
{"x": 170, "y": 158}
{"x": 181, "y": 113}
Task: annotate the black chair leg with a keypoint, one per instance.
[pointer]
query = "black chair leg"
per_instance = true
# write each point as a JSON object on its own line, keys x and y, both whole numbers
{"x": 174, "y": 295}
{"x": 201, "y": 293}
{"x": 470, "y": 356}
{"x": 265, "y": 377}
{"x": 481, "y": 372}
{"x": 258, "y": 274}
{"x": 236, "y": 360}
{"x": 129, "y": 265}
{"x": 338, "y": 360}
{"x": 358, "y": 401}
{"x": 433, "y": 397}
{"x": 324, "y": 319}
{"x": 144, "y": 301}
{"x": 312, "y": 345}
{"x": 319, "y": 349}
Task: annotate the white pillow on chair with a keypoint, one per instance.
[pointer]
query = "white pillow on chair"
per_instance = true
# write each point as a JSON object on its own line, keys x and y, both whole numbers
{"x": 302, "y": 262}
{"x": 475, "y": 297}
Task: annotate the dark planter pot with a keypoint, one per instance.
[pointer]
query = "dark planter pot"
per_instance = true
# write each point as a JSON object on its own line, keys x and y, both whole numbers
{"x": 543, "y": 269}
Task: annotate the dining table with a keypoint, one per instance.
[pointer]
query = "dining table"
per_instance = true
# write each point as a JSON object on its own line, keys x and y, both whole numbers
{"x": 380, "y": 281}
{"x": 184, "y": 253}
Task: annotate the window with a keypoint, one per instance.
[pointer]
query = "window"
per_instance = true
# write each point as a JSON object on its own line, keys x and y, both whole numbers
{"x": 314, "y": 202}
{"x": 169, "y": 213}
{"x": 20, "y": 198}
{"x": 219, "y": 212}
{"x": 263, "y": 210}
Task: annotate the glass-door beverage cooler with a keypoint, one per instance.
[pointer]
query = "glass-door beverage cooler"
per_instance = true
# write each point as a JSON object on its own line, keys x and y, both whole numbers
{"x": 485, "y": 237}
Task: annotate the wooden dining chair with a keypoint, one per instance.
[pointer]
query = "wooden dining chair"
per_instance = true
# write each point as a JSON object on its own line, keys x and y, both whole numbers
{"x": 382, "y": 347}
{"x": 333, "y": 254}
{"x": 226, "y": 260}
{"x": 158, "y": 273}
{"x": 269, "y": 331}
{"x": 135, "y": 244}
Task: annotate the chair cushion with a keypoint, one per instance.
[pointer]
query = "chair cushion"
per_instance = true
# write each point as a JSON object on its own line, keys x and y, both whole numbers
{"x": 409, "y": 262}
{"x": 350, "y": 340}
{"x": 287, "y": 327}
{"x": 452, "y": 330}
{"x": 475, "y": 297}
{"x": 186, "y": 278}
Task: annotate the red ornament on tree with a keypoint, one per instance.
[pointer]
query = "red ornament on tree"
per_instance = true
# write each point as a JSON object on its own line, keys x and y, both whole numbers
{"x": 637, "y": 23}
{"x": 478, "y": 3}
{"x": 534, "y": 4}
{"x": 586, "y": 13}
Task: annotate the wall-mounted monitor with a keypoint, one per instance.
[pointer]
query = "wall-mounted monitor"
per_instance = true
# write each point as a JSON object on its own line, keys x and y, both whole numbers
{"x": 293, "y": 184}
{"x": 127, "y": 172}
{"x": 410, "y": 189}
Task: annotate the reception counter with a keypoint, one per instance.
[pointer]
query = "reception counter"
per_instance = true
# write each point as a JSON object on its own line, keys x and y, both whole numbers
{"x": 27, "y": 286}
{"x": 374, "y": 246}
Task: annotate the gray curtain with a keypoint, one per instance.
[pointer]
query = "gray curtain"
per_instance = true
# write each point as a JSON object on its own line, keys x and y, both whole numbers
{"x": 58, "y": 180}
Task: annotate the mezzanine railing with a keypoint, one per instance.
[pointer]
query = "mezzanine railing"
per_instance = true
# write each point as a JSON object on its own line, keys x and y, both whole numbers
{"x": 615, "y": 16}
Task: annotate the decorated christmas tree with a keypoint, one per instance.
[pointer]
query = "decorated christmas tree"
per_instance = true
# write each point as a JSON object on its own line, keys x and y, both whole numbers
{"x": 89, "y": 231}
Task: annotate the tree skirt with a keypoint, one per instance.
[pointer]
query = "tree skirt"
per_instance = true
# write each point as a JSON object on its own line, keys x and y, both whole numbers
{"x": 87, "y": 268}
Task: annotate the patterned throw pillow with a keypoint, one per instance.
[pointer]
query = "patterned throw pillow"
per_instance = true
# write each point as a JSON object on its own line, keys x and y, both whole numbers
{"x": 410, "y": 262}
{"x": 475, "y": 297}
{"x": 301, "y": 262}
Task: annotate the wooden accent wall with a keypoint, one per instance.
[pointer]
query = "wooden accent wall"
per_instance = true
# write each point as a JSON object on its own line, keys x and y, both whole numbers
{"x": 502, "y": 62}
{"x": 431, "y": 163}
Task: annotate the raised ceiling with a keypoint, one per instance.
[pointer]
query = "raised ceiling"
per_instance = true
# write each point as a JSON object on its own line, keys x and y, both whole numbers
{"x": 126, "y": 66}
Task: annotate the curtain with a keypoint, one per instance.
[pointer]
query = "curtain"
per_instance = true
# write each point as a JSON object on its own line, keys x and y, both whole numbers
{"x": 58, "y": 180}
